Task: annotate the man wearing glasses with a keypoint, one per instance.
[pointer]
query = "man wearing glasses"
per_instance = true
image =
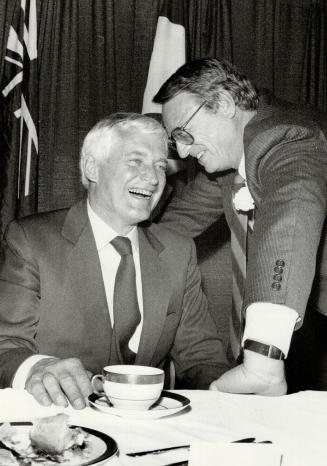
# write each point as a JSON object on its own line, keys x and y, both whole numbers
{"x": 277, "y": 153}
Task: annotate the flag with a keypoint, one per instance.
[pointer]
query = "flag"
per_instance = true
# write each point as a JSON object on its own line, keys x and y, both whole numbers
{"x": 168, "y": 54}
{"x": 19, "y": 88}
{"x": 168, "y": 51}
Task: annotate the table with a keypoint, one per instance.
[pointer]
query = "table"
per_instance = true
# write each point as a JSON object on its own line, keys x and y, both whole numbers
{"x": 296, "y": 423}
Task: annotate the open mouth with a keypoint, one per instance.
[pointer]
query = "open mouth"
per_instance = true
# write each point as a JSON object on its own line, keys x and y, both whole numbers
{"x": 200, "y": 154}
{"x": 141, "y": 193}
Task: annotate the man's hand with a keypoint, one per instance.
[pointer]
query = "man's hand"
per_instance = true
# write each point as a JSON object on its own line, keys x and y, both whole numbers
{"x": 257, "y": 375}
{"x": 59, "y": 381}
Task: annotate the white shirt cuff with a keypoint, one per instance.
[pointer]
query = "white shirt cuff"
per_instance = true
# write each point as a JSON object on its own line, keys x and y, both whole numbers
{"x": 23, "y": 370}
{"x": 272, "y": 324}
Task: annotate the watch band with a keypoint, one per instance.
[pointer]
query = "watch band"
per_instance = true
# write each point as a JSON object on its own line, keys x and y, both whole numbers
{"x": 269, "y": 351}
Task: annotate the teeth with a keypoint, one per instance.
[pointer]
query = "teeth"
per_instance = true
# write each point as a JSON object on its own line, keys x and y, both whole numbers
{"x": 141, "y": 192}
{"x": 199, "y": 155}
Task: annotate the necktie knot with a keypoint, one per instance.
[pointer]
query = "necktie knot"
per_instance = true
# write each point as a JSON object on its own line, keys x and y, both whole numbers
{"x": 122, "y": 245}
{"x": 239, "y": 182}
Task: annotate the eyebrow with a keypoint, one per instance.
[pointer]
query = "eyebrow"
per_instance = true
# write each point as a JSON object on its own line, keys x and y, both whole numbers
{"x": 141, "y": 154}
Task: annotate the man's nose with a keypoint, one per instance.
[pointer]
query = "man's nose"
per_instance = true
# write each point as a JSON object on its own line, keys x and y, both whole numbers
{"x": 182, "y": 149}
{"x": 149, "y": 174}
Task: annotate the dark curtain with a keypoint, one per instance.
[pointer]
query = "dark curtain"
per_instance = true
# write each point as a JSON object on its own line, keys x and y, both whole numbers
{"x": 280, "y": 44}
{"x": 94, "y": 57}
{"x": 93, "y": 61}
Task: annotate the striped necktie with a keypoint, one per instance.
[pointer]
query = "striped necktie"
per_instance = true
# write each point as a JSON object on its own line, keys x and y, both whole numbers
{"x": 239, "y": 233}
{"x": 126, "y": 310}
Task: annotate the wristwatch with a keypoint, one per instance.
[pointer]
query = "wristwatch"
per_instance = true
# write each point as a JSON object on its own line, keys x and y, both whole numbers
{"x": 269, "y": 351}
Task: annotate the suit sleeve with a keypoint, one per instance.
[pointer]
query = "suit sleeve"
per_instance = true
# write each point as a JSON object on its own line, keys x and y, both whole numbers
{"x": 290, "y": 217}
{"x": 19, "y": 303}
{"x": 198, "y": 207}
{"x": 197, "y": 352}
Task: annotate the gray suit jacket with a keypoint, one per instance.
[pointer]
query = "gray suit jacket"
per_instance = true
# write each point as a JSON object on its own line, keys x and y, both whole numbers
{"x": 286, "y": 167}
{"x": 53, "y": 299}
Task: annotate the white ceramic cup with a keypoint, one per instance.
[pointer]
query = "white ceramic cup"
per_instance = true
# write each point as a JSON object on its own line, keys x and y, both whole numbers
{"x": 130, "y": 387}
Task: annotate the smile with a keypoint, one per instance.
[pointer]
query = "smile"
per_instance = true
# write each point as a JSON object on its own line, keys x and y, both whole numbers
{"x": 200, "y": 154}
{"x": 140, "y": 193}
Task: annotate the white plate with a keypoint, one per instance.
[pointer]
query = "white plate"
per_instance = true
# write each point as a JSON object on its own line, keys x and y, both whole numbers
{"x": 168, "y": 404}
{"x": 100, "y": 446}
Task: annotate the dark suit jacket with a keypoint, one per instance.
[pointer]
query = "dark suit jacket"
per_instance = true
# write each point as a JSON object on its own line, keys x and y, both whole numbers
{"x": 286, "y": 167}
{"x": 53, "y": 300}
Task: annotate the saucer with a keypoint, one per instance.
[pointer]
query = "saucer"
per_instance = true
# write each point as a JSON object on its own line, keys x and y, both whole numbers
{"x": 166, "y": 405}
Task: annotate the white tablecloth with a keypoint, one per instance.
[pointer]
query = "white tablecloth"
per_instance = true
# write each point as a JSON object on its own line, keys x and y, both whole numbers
{"x": 295, "y": 423}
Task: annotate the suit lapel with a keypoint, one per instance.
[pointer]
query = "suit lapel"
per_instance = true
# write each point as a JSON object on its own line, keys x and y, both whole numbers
{"x": 156, "y": 294}
{"x": 84, "y": 266}
{"x": 88, "y": 284}
{"x": 255, "y": 147}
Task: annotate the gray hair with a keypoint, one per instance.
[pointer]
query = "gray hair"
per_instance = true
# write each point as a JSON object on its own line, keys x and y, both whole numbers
{"x": 98, "y": 140}
{"x": 206, "y": 78}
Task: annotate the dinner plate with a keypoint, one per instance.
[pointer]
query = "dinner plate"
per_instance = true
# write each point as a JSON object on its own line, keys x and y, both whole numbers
{"x": 101, "y": 447}
{"x": 167, "y": 404}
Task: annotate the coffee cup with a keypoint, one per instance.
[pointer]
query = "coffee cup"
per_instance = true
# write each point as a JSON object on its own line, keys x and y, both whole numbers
{"x": 130, "y": 387}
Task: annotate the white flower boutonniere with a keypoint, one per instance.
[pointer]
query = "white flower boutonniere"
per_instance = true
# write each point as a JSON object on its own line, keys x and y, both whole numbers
{"x": 243, "y": 200}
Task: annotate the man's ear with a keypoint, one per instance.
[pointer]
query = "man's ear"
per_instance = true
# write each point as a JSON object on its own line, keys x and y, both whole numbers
{"x": 226, "y": 105}
{"x": 90, "y": 168}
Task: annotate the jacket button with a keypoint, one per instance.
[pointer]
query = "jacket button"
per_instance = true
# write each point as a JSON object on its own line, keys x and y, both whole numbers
{"x": 278, "y": 269}
{"x": 276, "y": 286}
{"x": 280, "y": 262}
{"x": 277, "y": 277}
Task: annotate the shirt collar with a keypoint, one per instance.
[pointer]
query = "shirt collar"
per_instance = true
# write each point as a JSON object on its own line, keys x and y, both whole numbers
{"x": 103, "y": 233}
{"x": 241, "y": 168}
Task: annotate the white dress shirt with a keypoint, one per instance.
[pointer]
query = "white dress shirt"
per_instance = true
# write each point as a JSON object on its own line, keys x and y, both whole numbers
{"x": 109, "y": 261}
{"x": 269, "y": 323}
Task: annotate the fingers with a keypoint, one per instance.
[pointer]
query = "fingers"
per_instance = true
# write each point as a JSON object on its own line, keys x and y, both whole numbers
{"x": 70, "y": 387}
{"x": 83, "y": 382}
{"x": 54, "y": 389}
{"x": 77, "y": 387}
{"x": 60, "y": 382}
{"x": 36, "y": 388}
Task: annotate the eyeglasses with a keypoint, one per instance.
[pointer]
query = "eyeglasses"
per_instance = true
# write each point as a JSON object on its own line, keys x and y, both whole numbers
{"x": 179, "y": 134}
